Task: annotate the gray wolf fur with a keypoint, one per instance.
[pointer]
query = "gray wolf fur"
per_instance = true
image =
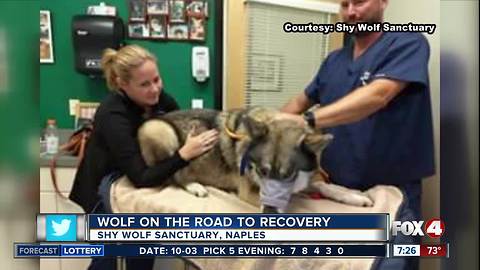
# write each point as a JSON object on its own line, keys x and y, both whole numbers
{"x": 270, "y": 148}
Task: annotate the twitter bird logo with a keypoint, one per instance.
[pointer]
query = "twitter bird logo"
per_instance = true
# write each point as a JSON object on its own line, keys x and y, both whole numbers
{"x": 61, "y": 228}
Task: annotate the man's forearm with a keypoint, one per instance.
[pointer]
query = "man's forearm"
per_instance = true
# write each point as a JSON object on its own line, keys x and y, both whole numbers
{"x": 297, "y": 105}
{"x": 358, "y": 105}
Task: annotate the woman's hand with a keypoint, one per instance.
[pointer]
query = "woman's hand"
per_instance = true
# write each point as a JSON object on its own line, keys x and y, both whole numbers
{"x": 198, "y": 145}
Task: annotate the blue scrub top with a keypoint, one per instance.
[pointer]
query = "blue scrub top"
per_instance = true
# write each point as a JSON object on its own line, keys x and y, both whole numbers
{"x": 395, "y": 144}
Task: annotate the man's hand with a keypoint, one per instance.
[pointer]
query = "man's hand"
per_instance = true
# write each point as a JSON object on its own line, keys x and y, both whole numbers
{"x": 291, "y": 117}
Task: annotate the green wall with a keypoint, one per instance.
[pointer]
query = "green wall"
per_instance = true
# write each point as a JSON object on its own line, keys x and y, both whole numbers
{"x": 18, "y": 85}
{"x": 59, "y": 81}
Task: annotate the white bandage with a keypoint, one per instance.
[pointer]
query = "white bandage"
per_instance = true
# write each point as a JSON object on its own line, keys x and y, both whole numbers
{"x": 302, "y": 181}
{"x": 277, "y": 193}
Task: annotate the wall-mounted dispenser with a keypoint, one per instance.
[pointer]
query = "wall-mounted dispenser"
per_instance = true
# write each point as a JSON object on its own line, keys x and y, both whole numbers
{"x": 200, "y": 63}
{"x": 91, "y": 35}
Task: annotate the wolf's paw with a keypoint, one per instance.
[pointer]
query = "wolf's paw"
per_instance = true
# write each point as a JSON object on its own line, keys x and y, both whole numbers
{"x": 360, "y": 199}
{"x": 343, "y": 194}
{"x": 196, "y": 189}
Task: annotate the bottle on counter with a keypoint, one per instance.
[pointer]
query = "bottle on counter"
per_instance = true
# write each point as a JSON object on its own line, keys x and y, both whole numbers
{"x": 52, "y": 137}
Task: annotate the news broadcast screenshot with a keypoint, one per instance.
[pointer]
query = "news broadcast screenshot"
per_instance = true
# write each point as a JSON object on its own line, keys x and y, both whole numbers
{"x": 239, "y": 135}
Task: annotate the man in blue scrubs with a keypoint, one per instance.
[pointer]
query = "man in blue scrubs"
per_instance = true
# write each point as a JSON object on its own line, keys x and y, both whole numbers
{"x": 375, "y": 100}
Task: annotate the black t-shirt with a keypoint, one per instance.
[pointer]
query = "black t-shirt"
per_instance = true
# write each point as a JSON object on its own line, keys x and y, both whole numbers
{"x": 113, "y": 147}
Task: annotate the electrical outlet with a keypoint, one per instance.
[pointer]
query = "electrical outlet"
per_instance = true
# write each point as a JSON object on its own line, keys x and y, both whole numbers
{"x": 72, "y": 104}
{"x": 197, "y": 103}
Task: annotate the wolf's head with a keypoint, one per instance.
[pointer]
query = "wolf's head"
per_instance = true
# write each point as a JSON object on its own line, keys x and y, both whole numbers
{"x": 278, "y": 149}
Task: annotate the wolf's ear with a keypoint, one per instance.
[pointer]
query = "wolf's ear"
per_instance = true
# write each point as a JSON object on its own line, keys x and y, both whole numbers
{"x": 316, "y": 142}
{"x": 256, "y": 129}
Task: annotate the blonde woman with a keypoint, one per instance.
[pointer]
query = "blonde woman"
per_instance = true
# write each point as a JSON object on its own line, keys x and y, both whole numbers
{"x": 137, "y": 94}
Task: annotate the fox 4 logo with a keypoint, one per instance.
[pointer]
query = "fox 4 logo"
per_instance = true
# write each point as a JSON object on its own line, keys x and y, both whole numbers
{"x": 433, "y": 228}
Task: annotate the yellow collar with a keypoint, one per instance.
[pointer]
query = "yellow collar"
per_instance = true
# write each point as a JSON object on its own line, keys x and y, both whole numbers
{"x": 233, "y": 135}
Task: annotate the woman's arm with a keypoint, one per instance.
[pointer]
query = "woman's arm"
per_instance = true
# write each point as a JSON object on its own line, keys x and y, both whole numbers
{"x": 122, "y": 143}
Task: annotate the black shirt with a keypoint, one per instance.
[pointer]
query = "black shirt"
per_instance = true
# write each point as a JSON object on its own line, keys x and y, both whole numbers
{"x": 113, "y": 147}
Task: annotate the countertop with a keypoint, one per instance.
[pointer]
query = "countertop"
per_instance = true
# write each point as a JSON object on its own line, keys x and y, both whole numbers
{"x": 63, "y": 160}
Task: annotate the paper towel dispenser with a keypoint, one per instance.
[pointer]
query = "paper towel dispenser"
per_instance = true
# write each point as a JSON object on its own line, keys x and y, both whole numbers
{"x": 91, "y": 35}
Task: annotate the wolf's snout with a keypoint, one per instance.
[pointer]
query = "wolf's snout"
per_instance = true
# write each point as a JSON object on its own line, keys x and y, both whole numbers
{"x": 264, "y": 170}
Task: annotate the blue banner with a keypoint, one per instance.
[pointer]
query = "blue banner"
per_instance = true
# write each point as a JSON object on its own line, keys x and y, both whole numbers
{"x": 239, "y": 221}
{"x": 82, "y": 250}
{"x": 36, "y": 250}
{"x": 204, "y": 250}
{"x": 50, "y": 250}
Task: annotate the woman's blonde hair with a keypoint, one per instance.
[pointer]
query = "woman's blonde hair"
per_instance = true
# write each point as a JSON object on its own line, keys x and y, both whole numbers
{"x": 118, "y": 64}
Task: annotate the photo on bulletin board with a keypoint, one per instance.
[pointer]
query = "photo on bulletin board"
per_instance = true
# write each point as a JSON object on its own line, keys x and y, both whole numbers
{"x": 158, "y": 27}
{"x": 197, "y": 28}
{"x": 157, "y": 7}
{"x": 178, "y": 31}
{"x": 138, "y": 30}
{"x": 46, "y": 45}
{"x": 197, "y": 8}
{"x": 177, "y": 11}
{"x": 137, "y": 9}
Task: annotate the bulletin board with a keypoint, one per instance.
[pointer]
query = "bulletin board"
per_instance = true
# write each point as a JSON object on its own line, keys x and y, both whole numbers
{"x": 167, "y": 19}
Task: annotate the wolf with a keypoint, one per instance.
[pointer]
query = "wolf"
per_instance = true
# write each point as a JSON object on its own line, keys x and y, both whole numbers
{"x": 252, "y": 146}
